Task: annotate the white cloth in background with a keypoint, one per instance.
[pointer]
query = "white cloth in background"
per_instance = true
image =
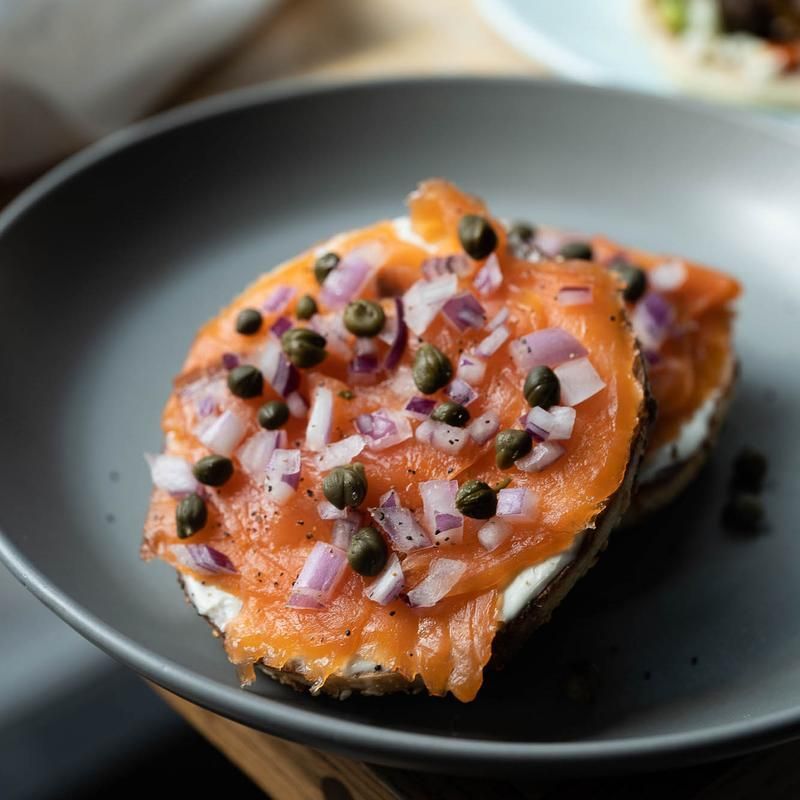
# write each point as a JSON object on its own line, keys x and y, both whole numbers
{"x": 74, "y": 70}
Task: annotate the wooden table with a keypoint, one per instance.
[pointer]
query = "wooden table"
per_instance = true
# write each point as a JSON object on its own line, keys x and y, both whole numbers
{"x": 351, "y": 38}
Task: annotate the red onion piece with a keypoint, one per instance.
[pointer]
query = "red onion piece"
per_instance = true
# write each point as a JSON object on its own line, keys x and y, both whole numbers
{"x": 535, "y": 431}
{"x": 278, "y": 371}
{"x": 401, "y": 527}
{"x": 471, "y": 369}
{"x": 493, "y": 533}
{"x": 517, "y": 505}
{"x": 461, "y": 392}
{"x": 204, "y": 559}
{"x": 548, "y": 346}
{"x": 498, "y": 319}
{"x": 435, "y": 266}
{"x": 206, "y": 406}
{"x": 550, "y": 240}
{"x": 484, "y": 427}
{"x": 280, "y": 326}
{"x": 230, "y": 360}
{"x": 489, "y": 277}
{"x": 419, "y": 407}
{"x": 443, "y": 575}
{"x": 553, "y": 424}
{"x": 464, "y": 311}
{"x": 440, "y": 516}
{"x": 575, "y": 295}
{"x": 389, "y": 499}
{"x": 579, "y": 381}
{"x": 366, "y": 346}
{"x": 652, "y": 320}
{"x": 351, "y": 273}
{"x": 398, "y": 343}
{"x": 338, "y": 340}
{"x": 342, "y": 532}
{"x": 224, "y": 433}
{"x": 339, "y": 453}
{"x": 279, "y": 299}
{"x": 668, "y": 277}
{"x": 543, "y": 455}
{"x": 363, "y": 370}
{"x": 255, "y": 454}
{"x": 173, "y": 474}
{"x": 383, "y": 428}
{"x": 283, "y": 475}
{"x": 493, "y": 342}
{"x": 298, "y": 407}
{"x": 425, "y": 299}
{"x": 327, "y": 510}
{"x": 443, "y": 437}
{"x": 319, "y": 577}
{"x": 388, "y": 585}
{"x": 320, "y": 421}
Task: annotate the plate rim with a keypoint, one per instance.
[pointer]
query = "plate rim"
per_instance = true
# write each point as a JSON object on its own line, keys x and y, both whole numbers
{"x": 315, "y": 727}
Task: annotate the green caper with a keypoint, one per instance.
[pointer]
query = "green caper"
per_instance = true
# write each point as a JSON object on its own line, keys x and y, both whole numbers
{"x": 749, "y": 470}
{"x": 432, "y": 369}
{"x": 246, "y": 381}
{"x": 542, "y": 387}
{"x": 633, "y": 278}
{"x": 743, "y": 513}
{"x": 452, "y": 413}
{"x": 191, "y": 515}
{"x": 303, "y": 347}
{"x": 346, "y": 394}
{"x": 364, "y": 318}
{"x": 476, "y": 235}
{"x": 273, "y": 414}
{"x": 367, "y": 552}
{"x": 522, "y": 232}
{"x": 510, "y": 445}
{"x": 248, "y": 321}
{"x": 582, "y": 251}
{"x": 345, "y": 486}
{"x": 476, "y": 499}
{"x": 324, "y": 265}
{"x": 306, "y": 307}
{"x": 213, "y": 470}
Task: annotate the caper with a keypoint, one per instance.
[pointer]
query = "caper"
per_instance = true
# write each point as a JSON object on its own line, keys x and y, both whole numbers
{"x": 273, "y": 414}
{"x": 345, "y": 486}
{"x": 476, "y": 499}
{"x": 246, "y": 381}
{"x": 582, "y": 251}
{"x": 364, "y": 318}
{"x": 367, "y": 552}
{"x": 743, "y": 513}
{"x": 522, "y": 232}
{"x": 324, "y": 265}
{"x": 213, "y": 470}
{"x": 542, "y": 387}
{"x": 248, "y": 321}
{"x": 749, "y": 470}
{"x": 191, "y": 515}
{"x": 476, "y": 235}
{"x": 346, "y": 394}
{"x": 303, "y": 347}
{"x": 432, "y": 369}
{"x": 306, "y": 307}
{"x": 674, "y": 14}
{"x": 452, "y": 413}
{"x": 510, "y": 445}
{"x": 633, "y": 278}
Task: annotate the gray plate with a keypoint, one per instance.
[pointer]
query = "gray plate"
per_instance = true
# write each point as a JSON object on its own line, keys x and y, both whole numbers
{"x": 109, "y": 264}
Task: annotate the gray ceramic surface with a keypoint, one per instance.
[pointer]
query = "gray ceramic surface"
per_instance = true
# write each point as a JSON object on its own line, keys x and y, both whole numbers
{"x": 109, "y": 265}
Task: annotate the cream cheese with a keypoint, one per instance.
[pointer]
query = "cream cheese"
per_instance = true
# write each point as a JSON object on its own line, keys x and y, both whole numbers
{"x": 218, "y": 606}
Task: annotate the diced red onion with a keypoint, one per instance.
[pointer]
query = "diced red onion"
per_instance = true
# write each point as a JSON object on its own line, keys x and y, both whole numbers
{"x": 493, "y": 533}
{"x": 366, "y": 346}
{"x": 278, "y": 371}
{"x": 173, "y": 474}
{"x": 498, "y": 319}
{"x": 320, "y": 421}
{"x": 401, "y": 527}
{"x": 342, "y": 532}
{"x": 230, "y": 360}
{"x": 337, "y": 338}
{"x": 283, "y": 475}
{"x": 464, "y": 311}
{"x": 363, "y": 370}
{"x": 425, "y": 299}
{"x": 652, "y": 320}
{"x": 555, "y": 423}
{"x": 339, "y": 453}
{"x": 298, "y": 407}
{"x": 489, "y": 277}
{"x": 279, "y": 299}
{"x": 224, "y": 433}
{"x": 443, "y": 437}
{"x": 493, "y": 342}
{"x": 388, "y": 585}
{"x": 443, "y": 575}
{"x": 389, "y": 499}
{"x": 351, "y": 273}
{"x": 440, "y": 515}
{"x": 327, "y": 510}
{"x": 579, "y": 381}
{"x": 401, "y": 383}
{"x": 435, "y": 266}
{"x": 575, "y": 295}
{"x": 548, "y": 346}
{"x": 461, "y": 392}
{"x": 280, "y": 326}
{"x": 543, "y": 455}
{"x": 668, "y": 277}
{"x": 551, "y": 240}
{"x": 305, "y": 602}
{"x": 255, "y": 454}
{"x": 539, "y": 434}
{"x": 482, "y": 428}
{"x": 419, "y": 407}
{"x": 517, "y": 505}
{"x": 383, "y": 428}
{"x": 204, "y": 559}
{"x": 319, "y": 577}
{"x": 471, "y": 369}
{"x": 206, "y": 406}
{"x": 400, "y": 339}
